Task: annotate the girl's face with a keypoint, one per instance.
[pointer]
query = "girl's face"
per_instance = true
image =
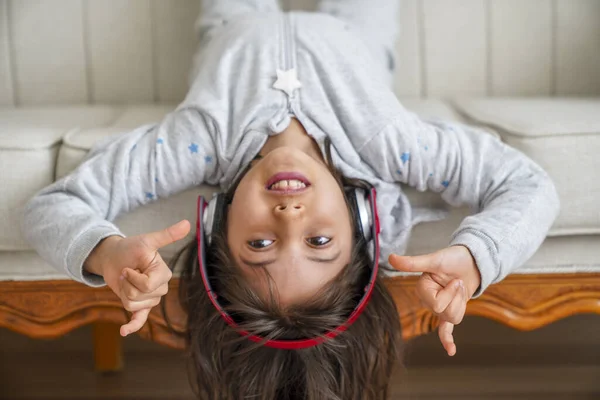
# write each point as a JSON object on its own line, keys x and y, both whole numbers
{"x": 289, "y": 216}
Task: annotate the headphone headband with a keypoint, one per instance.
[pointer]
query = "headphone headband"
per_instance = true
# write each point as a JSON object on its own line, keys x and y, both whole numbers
{"x": 371, "y": 229}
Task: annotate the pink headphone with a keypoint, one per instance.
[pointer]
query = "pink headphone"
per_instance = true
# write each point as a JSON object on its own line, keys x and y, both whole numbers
{"x": 367, "y": 221}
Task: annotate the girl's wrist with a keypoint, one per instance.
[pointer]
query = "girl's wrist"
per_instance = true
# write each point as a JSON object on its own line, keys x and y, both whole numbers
{"x": 472, "y": 280}
{"x": 97, "y": 260}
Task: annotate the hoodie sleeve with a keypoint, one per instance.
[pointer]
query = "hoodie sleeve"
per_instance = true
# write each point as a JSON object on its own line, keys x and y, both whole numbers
{"x": 66, "y": 220}
{"x": 515, "y": 201}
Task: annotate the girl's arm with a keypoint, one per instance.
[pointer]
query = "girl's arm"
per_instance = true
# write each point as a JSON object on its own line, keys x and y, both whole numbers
{"x": 65, "y": 221}
{"x": 515, "y": 201}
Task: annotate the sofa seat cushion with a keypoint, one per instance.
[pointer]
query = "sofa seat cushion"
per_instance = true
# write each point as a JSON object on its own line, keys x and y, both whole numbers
{"x": 566, "y": 254}
{"x": 78, "y": 141}
{"x": 26, "y": 266}
{"x": 563, "y": 136}
{"x": 58, "y": 117}
{"x": 29, "y": 144}
{"x": 30, "y": 139}
{"x": 558, "y": 254}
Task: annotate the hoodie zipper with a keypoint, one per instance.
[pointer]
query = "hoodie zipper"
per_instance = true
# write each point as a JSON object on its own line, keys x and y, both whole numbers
{"x": 288, "y": 57}
{"x": 287, "y": 31}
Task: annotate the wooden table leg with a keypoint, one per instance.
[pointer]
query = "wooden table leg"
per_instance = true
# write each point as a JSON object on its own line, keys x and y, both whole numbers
{"x": 108, "y": 354}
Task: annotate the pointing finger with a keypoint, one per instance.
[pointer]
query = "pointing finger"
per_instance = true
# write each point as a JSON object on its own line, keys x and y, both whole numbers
{"x": 159, "y": 239}
{"x": 424, "y": 263}
{"x": 445, "y": 334}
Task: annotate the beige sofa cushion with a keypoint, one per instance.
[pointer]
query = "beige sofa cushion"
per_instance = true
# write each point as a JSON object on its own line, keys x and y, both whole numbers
{"x": 32, "y": 157}
{"x": 154, "y": 216}
{"x": 29, "y": 143}
{"x": 58, "y": 117}
{"x": 77, "y": 142}
{"x": 563, "y": 136}
{"x": 560, "y": 254}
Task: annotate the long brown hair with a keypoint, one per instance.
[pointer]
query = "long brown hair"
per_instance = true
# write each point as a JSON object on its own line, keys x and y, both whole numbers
{"x": 357, "y": 364}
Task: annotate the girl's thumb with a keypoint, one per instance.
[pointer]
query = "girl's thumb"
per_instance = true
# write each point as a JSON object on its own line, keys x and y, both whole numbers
{"x": 412, "y": 264}
{"x": 170, "y": 235}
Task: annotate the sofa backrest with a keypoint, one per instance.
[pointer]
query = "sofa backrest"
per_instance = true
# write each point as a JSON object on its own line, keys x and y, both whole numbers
{"x": 115, "y": 51}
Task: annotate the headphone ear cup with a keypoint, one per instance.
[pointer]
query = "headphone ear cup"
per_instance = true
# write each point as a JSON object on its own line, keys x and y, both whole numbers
{"x": 364, "y": 219}
{"x": 358, "y": 229}
{"x": 359, "y": 202}
{"x": 214, "y": 214}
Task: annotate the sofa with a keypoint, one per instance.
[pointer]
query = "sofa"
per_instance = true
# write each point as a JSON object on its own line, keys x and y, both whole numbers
{"x": 74, "y": 73}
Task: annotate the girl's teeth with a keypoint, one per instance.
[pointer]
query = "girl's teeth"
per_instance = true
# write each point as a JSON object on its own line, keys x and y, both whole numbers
{"x": 292, "y": 184}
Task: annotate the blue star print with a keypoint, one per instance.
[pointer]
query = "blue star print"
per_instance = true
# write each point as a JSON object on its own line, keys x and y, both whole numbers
{"x": 445, "y": 183}
{"x": 208, "y": 159}
{"x": 193, "y": 148}
{"x": 399, "y": 172}
{"x": 149, "y": 196}
{"x": 159, "y": 141}
{"x": 405, "y": 157}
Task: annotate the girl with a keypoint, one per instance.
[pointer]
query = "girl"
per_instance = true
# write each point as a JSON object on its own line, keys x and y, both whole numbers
{"x": 293, "y": 116}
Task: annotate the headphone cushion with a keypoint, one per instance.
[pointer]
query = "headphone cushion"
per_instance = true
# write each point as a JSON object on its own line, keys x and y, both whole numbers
{"x": 216, "y": 207}
{"x": 354, "y": 195}
{"x": 220, "y": 210}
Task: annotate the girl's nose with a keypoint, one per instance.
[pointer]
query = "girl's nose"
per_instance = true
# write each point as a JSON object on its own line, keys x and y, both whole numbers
{"x": 288, "y": 210}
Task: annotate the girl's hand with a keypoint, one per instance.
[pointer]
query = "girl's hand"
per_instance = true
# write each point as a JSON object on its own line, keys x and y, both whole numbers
{"x": 450, "y": 277}
{"x": 134, "y": 270}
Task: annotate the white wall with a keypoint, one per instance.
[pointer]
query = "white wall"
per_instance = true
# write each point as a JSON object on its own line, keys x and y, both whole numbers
{"x": 119, "y": 51}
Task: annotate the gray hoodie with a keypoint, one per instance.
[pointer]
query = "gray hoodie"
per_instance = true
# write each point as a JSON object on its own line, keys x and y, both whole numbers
{"x": 233, "y": 107}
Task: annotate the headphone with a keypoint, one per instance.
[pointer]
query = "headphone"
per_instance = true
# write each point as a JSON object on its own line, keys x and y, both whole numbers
{"x": 209, "y": 219}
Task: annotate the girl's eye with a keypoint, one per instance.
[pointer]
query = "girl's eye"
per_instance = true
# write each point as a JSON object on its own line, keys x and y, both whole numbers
{"x": 318, "y": 241}
{"x": 260, "y": 244}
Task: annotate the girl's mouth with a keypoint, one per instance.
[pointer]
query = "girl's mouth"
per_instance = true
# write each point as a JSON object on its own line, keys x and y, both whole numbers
{"x": 287, "y": 182}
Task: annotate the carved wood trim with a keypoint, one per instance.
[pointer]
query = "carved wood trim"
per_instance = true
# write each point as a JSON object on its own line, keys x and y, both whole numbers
{"x": 46, "y": 309}
{"x": 531, "y": 302}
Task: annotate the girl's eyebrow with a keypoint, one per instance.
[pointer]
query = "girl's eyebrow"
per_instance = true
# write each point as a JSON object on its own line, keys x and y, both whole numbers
{"x": 271, "y": 261}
